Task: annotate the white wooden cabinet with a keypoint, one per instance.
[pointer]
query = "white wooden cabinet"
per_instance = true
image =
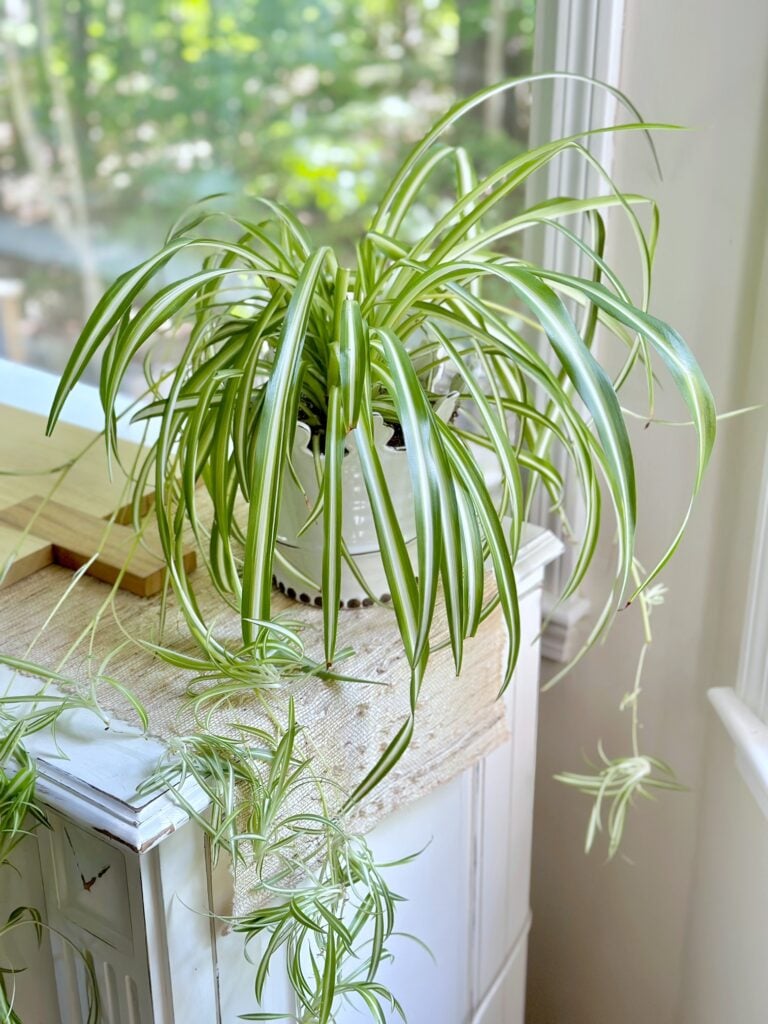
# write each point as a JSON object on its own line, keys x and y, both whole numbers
{"x": 129, "y": 879}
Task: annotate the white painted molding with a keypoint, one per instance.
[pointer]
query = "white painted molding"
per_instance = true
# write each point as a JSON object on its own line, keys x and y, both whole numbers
{"x": 538, "y": 548}
{"x": 750, "y": 740}
{"x": 752, "y": 677}
{"x": 90, "y": 772}
{"x": 743, "y": 710}
{"x": 583, "y": 37}
{"x": 561, "y": 639}
{"x": 479, "y": 1016}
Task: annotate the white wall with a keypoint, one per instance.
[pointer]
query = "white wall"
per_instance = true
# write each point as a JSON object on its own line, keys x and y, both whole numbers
{"x": 611, "y": 942}
{"x": 724, "y": 976}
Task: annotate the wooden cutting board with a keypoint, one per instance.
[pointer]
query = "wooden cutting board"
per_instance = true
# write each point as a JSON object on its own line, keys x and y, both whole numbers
{"x": 67, "y": 527}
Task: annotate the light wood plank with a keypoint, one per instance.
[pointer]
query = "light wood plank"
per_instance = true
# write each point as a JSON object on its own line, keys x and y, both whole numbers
{"x": 77, "y": 535}
{"x": 32, "y": 463}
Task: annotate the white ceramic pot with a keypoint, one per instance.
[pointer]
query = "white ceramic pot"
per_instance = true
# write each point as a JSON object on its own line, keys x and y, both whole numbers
{"x": 298, "y": 557}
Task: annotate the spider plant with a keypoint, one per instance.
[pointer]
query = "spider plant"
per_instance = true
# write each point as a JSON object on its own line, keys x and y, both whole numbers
{"x": 328, "y": 906}
{"x": 274, "y": 330}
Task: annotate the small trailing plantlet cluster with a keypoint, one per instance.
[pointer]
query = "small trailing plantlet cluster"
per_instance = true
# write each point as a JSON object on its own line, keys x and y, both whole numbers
{"x": 274, "y": 331}
{"x": 617, "y": 781}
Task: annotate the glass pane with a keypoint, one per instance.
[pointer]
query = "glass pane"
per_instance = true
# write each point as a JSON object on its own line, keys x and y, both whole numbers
{"x": 116, "y": 114}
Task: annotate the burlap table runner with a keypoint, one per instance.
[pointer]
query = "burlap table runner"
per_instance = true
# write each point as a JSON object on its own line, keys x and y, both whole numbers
{"x": 459, "y": 720}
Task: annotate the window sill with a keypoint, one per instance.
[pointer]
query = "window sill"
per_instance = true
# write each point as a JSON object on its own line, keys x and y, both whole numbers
{"x": 750, "y": 739}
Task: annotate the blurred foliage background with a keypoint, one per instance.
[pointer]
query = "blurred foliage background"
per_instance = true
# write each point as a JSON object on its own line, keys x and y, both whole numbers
{"x": 115, "y": 114}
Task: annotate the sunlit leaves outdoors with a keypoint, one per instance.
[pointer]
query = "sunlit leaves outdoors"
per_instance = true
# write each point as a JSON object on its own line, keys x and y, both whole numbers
{"x": 114, "y": 115}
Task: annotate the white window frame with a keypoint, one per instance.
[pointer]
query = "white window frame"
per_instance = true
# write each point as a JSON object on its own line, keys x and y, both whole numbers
{"x": 752, "y": 676}
{"x": 582, "y": 37}
{"x": 743, "y": 709}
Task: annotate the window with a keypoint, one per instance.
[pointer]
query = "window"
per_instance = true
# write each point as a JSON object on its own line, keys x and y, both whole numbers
{"x": 115, "y": 114}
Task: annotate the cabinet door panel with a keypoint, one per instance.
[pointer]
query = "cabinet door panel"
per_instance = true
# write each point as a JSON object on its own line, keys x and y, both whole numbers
{"x": 436, "y": 886}
{"x": 504, "y": 816}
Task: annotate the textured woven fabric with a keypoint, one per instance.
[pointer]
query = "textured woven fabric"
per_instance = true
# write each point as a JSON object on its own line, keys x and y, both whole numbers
{"x": 347, "y": 725}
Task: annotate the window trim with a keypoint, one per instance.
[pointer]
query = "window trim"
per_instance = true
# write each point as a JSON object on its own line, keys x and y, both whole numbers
{"x": 584, "y": 38}
{"x": 750, "y": 740}
{"x": 752, "y": 676}
{"x": 743, "y": 708}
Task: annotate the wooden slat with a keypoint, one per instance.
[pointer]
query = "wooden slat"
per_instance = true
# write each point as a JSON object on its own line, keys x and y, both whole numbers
{"x": 75, "y": 536}
{"x": 24, "y": 449}
{"x": 31, "y": 464}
